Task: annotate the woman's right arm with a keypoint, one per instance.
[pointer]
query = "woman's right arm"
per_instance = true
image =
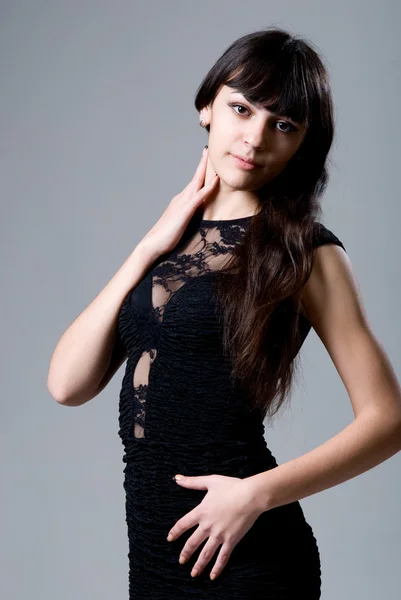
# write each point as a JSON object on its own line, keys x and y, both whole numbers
{"x": 87, "y": 355}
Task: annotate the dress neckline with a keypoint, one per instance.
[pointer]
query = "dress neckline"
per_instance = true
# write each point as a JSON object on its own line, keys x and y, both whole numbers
{"x": 214, "y": 222}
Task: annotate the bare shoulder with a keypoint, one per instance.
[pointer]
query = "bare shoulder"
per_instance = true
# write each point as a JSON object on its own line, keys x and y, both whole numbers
{"x": 332, "y": 289}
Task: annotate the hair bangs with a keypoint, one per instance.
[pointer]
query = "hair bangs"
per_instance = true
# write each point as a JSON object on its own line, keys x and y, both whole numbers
{"x": 276, "y": 83}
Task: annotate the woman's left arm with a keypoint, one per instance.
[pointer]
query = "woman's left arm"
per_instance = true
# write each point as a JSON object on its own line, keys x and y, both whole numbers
{"x": 331, "y": 301}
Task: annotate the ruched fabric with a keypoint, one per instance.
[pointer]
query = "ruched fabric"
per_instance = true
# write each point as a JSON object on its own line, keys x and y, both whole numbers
{"x": 181, "y": 412}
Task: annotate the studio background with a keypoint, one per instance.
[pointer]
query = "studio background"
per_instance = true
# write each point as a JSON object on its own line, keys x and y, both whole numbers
{"x": 97, "y": 133}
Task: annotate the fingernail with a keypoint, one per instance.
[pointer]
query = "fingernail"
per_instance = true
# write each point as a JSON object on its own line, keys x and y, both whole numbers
{"x": 178, "y": 477}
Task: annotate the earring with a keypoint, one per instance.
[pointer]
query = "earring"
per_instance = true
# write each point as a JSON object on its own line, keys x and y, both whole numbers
{"x": 202, "y": 122}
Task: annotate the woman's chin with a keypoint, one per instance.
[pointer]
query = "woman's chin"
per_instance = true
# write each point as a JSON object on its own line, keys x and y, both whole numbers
{"x": 238, "y": 181}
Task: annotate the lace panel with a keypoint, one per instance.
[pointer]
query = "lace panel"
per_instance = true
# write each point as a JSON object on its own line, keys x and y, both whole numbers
{"x": 208, "y": 249}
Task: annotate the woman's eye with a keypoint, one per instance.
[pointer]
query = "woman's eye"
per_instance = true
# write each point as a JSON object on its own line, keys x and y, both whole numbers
{"x": 291, "y": 127}
{"x": 239, "y": 106}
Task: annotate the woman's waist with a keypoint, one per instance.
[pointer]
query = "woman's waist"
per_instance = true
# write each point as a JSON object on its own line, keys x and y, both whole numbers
{"x": 165, "y": 458}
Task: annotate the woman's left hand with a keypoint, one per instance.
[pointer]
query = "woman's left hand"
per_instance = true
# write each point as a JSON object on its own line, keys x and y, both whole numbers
{"x": 226, "y": 513}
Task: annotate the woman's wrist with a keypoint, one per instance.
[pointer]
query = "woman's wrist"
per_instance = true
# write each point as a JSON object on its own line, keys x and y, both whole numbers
{"x": 259, "y": 497}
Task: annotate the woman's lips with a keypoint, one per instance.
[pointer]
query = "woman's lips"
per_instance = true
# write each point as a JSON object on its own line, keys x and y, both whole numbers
{"x": 242, "y": 164}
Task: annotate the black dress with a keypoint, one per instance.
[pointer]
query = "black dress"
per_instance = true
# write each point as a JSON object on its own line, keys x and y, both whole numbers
{"x": 181, "y": 413}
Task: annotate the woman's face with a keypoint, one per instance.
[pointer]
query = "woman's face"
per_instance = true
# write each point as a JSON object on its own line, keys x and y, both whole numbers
{"x": 239, "y": 127}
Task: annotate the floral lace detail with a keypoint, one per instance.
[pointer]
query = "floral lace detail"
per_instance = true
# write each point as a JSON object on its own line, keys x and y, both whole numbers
{"x": 206, "y": 250}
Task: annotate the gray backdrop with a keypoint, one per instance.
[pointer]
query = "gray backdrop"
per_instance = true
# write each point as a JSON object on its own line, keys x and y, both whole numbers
{"x": 98, "y": 132}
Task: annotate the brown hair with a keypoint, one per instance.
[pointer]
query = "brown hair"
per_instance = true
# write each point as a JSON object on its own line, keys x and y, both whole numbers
{"x": 284, "y": 74}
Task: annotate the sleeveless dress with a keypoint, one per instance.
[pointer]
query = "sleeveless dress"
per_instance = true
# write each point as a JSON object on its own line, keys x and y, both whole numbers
{"x": 179, "y": 412}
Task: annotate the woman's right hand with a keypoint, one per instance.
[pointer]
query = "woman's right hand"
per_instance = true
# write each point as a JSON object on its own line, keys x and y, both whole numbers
{"x": 168, "y": 230}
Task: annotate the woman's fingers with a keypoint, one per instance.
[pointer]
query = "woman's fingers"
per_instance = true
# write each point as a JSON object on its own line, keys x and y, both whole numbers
{"x": 207, "y": 189}
{"x": 199, "y": 176}
{"x": 202, "y": 163}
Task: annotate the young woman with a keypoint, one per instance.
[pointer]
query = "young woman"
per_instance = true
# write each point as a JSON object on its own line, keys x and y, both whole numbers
{"x": 210, "y": 310}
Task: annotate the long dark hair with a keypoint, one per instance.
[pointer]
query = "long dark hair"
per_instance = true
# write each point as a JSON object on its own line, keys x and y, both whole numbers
{"x": 260, "y": 297}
